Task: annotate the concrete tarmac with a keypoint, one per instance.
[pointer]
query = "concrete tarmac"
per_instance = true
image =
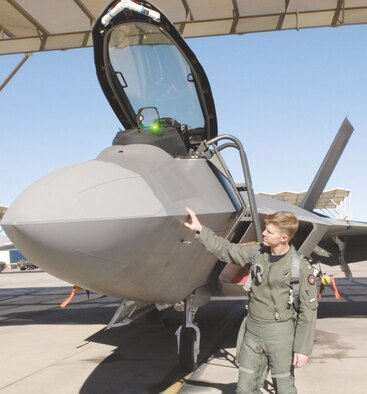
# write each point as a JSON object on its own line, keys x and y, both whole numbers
{"x": 46, "y": 349}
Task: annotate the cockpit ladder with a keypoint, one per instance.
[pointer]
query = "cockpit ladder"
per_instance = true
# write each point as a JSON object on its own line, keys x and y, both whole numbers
{"x": 211, "y": 151}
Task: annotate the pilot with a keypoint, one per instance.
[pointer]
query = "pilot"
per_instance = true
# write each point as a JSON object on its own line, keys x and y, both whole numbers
{"x": 278, "y": 334}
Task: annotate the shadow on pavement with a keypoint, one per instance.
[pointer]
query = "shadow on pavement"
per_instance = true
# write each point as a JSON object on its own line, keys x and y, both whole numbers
{"x": 145, "y": 360}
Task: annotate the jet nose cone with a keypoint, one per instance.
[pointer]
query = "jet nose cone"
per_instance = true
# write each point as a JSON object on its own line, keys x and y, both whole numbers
{"x": 74, "y": 216}
{"x": 90, "y": 190}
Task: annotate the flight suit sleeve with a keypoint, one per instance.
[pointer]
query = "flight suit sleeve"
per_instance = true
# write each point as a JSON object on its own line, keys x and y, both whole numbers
{"x": 239, "y": 254}
{"x": 307, "y": 314}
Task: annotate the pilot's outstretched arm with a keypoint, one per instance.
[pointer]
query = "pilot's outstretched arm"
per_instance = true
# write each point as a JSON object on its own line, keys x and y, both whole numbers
{"x": 224, "y": 250}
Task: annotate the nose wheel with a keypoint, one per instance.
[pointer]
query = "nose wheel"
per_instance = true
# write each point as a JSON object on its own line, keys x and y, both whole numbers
{"x": 189, "y": 349}
{"x": 188, "y": 340}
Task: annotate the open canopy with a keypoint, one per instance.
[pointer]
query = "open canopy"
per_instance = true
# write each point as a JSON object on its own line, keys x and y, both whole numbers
{"x": 148, "y": 74}
{"x": 32, "y": 26}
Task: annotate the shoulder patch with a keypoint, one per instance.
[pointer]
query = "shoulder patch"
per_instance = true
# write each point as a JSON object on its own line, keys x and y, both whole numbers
{"x": 311, "y": 279}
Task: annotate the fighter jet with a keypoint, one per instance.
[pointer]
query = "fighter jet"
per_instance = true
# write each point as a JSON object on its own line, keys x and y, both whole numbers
{"x": 114, "y": 225}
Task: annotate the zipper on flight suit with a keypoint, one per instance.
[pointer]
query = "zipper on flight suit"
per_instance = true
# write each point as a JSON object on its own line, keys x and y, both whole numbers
{"x": 276, "y": 313}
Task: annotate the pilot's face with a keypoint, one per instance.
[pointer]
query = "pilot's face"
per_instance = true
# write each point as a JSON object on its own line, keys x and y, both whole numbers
{"x": 273, "y": 237}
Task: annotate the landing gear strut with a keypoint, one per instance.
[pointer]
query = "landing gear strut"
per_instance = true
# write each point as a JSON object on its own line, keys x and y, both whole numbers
{"x": 343, "y": 264}
{"x": 188, "y": 335}
{"x": 188, "y": 339}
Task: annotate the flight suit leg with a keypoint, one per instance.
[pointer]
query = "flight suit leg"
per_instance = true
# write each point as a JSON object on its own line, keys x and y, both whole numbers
{"x": 279, "y": 348}
{"x": 252, "y": 365}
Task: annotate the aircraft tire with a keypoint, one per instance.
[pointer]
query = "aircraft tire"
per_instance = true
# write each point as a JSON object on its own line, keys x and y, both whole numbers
{"x": 188, "y": 354}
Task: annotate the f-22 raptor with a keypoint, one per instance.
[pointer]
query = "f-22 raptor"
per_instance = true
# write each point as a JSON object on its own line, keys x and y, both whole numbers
{"x": 115, "y": 224}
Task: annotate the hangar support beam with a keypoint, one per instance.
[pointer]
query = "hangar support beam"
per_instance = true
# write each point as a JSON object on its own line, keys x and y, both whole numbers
{"x": 16, "y": 69}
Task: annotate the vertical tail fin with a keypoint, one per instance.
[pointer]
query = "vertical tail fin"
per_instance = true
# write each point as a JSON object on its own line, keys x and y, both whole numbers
{"x": 327, "y": 167}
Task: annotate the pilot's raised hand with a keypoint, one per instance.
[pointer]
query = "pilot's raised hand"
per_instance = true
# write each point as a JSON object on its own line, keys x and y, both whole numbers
{"x": 195, "y": 225}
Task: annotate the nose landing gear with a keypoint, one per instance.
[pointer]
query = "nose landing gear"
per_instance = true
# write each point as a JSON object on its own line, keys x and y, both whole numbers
{"x": 189, "y": 348}
{"x": 188, "y": 337}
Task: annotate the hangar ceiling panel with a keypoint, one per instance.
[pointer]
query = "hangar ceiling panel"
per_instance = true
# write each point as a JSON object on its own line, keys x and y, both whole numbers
{"x": 31, "y": 26}
{"x": 328, "y": 199}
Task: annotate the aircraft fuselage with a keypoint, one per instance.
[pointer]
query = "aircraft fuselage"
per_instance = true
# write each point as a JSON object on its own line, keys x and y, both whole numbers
{"x": 114, "y": 224}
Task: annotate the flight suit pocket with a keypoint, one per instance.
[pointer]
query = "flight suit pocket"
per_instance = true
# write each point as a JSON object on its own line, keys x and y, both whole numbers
{"x": 312, "y": 300}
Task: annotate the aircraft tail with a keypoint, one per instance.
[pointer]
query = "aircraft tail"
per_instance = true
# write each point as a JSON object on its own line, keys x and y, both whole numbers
{"x": 327, "y": 167}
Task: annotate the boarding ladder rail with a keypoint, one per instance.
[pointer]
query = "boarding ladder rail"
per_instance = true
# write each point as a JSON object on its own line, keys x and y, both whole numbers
{"x": 210, "y": 147}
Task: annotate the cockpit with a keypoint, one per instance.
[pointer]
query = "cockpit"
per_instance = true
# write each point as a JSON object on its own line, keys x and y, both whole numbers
{"x": 153, "y": 73}
{"x": 154, "y": 83}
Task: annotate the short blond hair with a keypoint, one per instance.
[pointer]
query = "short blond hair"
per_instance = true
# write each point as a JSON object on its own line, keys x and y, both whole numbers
{"x": 285, "y": 221}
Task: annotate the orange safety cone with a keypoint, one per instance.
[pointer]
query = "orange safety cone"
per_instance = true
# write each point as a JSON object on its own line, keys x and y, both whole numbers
{"x": 336, "y": 291}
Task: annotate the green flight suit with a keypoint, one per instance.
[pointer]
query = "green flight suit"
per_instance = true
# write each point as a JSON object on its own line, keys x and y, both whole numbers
{"x": 274, "y": 330}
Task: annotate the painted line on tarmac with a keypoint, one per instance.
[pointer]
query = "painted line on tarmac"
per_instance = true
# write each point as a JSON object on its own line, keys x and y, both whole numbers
{"x": 177, "y": 386}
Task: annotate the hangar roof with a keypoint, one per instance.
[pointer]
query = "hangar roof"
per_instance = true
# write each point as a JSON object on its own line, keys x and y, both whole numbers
{"x": 31, "y": 26}
{"x": 2, "y": 211}
{"x": 330, "y": 200}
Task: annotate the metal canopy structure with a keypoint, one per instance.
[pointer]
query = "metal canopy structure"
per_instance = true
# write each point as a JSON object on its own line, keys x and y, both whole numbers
{"x": 28, "y": 26}
{"x": 2, "y": 211}
{"x": 5, "y": 243}
{"x": 335, "y": 201}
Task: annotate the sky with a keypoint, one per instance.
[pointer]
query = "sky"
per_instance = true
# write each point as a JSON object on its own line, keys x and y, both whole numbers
{"x": 283, "y": 94}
